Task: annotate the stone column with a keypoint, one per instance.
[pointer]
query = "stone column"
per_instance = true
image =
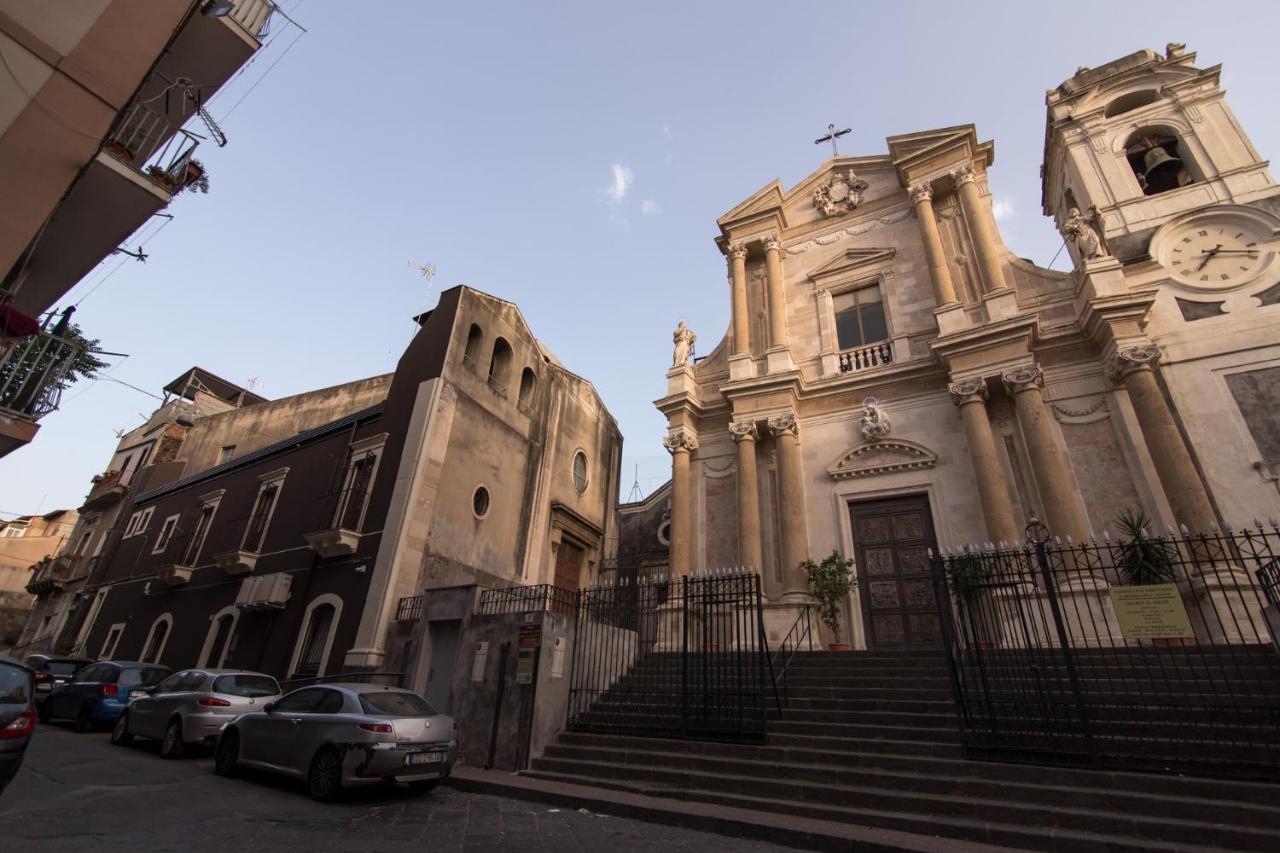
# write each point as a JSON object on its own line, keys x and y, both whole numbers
{"x": 985, "y": 244}
{"x": 1134, "y": 367}
{"x": 680, "y": 444}
{"x": 1048, "y": 459}
{"x": 741, "y": 318}
{"x": 944, "y": 290}
{"x": 993, "y": 490}
{"x": 749, "y": 550}
{"x": 794, "y": 531}
{"x": 777, "y": 298}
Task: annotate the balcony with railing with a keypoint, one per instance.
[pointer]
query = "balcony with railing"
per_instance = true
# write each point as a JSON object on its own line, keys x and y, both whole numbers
{"x": 107, "y": 490}
{"x": 56, "y": 573}
{"x": 155, "y": 147}
{"x": 33, "y": 373}
{"x": 343, "y": 537}
{"x": 866, "y": 357}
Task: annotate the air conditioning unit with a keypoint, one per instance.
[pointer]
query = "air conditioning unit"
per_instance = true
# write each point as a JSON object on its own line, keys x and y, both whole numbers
{"x": 264, "y": 592}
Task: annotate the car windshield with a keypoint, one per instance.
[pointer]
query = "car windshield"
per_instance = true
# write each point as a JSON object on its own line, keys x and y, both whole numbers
{"x": 143, "y": 675}
{"x": 61, "y": 667}
{"x": 15, "y": 685}
{"x": 395, "y": 704}
{"x": 244, "y": 684}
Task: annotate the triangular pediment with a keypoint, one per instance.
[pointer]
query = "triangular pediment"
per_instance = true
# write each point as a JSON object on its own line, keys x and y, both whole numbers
{"x": 850, "y": 260}
{"x": 884, "y": 456}
{"x": 907, "y": 144}
{"x": 767, "y": 199}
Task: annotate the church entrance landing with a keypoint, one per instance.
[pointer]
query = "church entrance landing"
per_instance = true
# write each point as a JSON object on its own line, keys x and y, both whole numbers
{"x": 891, "y": 542}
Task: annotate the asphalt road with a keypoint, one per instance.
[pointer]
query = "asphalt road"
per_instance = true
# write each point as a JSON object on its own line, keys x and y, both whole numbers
{"x": 80, "y": 793}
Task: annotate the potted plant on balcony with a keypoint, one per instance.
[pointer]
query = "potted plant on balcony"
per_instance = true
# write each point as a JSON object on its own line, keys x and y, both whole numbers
{"x": 831, "y": 581}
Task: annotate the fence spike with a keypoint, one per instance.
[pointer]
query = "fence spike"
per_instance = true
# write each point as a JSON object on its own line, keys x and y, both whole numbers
{"x": 1185, "y": 531}
{"x": 1227, "y": 527}
{"x": 1004, "y": 546}
{"x": 1273, "y": 521}
{"x": 1213, "y": 527}
{"x": 929, "y": 551}
{"x": 1069, "y": 540}
{"x": 1257, "y": 522}
{"x": 1106, "y": 534}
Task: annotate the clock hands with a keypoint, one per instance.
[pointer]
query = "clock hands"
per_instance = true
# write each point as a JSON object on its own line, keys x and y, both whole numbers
{"x": 1208, "y": 256}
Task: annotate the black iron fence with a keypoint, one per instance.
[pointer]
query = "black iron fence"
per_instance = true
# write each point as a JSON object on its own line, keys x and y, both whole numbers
{"x": 683, "y": 657}
{"x": 527, "y": 599}
{"x": 1151, "y": 653}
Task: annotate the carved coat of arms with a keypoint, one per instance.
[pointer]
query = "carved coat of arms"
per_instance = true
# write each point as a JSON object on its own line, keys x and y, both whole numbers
{"x": 840, "y": 194}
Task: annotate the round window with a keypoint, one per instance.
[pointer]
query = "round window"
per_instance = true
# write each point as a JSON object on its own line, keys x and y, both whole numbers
{"x": 580, "y": 471}
{"x": 480, "y": 502}
{"x": 664, "y": 533}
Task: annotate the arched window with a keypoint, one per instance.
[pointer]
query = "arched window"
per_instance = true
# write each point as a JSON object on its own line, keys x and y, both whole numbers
{"x": 1159, "y": 160}
{"x": 1131, "y": 101}
{"x": 475, "y": 339}
{"x": 500, "y": 365}
{"x": 528, "y": 384}
{"x": 153, "y": 648}
{"x": 217, "y": 643}
{"x": 311, "y": 652}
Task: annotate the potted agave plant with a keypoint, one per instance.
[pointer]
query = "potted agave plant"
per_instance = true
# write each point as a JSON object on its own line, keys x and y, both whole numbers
{"x": 830, "y": 581}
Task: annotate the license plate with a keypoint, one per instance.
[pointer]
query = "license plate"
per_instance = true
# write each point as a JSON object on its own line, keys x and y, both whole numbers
{"x": 423, "y": 758}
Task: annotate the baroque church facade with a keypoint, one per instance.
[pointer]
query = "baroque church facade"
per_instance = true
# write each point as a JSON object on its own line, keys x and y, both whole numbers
{"x": 895, "y": 380}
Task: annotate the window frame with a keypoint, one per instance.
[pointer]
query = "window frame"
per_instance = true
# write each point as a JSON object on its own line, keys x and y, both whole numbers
{"x": 112, "y": 641}
{"x": 854, "y": 290}
{"x": 210, "y": 502}
{"x": 266, "y": 481}
{"x": 167, "y": 620}
{"x": 167, "y": 529}
{"x": 320, "y": 600}
{"x": 359, "y": 451}
{"x": 138, "y": 522}
{"x": 586, "y": 471}
{"x": 211, "y": 635}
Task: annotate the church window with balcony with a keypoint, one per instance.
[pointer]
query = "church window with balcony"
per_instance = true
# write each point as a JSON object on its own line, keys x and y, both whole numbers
{"x": 860, "y": 317}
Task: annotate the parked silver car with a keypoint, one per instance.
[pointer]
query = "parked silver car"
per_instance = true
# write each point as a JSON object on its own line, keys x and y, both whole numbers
{"x": 337, "y": 735}
{"x": 193, "y": 706}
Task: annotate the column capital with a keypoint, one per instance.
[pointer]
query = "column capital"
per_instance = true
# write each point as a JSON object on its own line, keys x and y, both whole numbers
{"x": 783, "y": 424}
{"x": 680, "y": 441}
{"x": 1126, "y": 360}
{"x": 1023, "y": 378}
{"x": 737, "y": 250}
{"x": 770, "y": 242}
{"x": 920, "y": 192}
{"x": 968, "y": 391}
{"x": 743, "y": 430}
{"x": 963, "y": 174}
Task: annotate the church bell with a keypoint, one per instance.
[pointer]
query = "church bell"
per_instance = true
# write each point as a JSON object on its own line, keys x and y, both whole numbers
{"x": 1161, "y": 170}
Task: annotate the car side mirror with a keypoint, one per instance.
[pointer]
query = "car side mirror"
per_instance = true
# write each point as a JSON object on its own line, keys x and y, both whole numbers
{"x": 269, "y": 707}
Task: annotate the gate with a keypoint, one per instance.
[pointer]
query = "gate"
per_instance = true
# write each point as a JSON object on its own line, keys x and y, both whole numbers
{"x": 676, "y": 657}
{"x": 1149, "y": 656}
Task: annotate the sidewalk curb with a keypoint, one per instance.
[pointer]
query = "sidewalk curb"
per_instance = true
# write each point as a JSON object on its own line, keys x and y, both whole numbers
{"x": 790, "y": 831}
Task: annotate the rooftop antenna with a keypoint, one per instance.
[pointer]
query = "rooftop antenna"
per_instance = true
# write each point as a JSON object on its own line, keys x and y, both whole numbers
{"x": 254, "y": 382}
{"x": 832, "y": 136}
{"x": 636, "y": 493}
{"x": 119, "y": 432}
{"x": 428, "y": 271}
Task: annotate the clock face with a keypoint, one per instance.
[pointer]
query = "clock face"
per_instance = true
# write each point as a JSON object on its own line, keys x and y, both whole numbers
{"x": 1216, "y": 253}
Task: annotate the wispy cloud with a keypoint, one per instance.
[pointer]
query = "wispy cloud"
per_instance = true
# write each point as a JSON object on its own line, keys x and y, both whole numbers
{"x": 1002, "y": 209}
{"x": 650, "y": 207}
{"x": 620, "y": 185}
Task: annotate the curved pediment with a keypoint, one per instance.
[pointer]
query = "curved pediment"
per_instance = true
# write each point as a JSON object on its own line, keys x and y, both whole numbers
{"x": 882, "y": 457}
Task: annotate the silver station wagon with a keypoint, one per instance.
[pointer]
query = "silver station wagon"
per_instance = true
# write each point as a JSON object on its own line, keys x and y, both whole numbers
{"x": 193, "y": 706}
{"x": 338, "y": 735}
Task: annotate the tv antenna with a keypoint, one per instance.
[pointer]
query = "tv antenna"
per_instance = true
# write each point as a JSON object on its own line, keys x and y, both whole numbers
{"x": 254, "y": 382}
{"x": 636, "y": 493}
{"x": 119, "y": 432}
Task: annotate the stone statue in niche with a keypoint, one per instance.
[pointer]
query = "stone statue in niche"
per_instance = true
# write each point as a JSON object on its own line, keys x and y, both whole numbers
{"x": 875, "y": 423}
{"x": 683, "y": 338}
{"x": 1085, "y": 233}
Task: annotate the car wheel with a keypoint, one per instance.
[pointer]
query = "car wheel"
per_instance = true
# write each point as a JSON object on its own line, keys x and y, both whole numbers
{"x": 423, "y": 786}
{"x": 84, "y": 719}
{"x": 227, "y": 754}
{"x": 171, "y": 746}
{"x": 120, "y": 731}
{"x": 324, "y": 779}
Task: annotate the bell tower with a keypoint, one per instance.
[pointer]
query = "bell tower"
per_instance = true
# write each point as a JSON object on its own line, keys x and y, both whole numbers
{"x": 1143, "y": 139}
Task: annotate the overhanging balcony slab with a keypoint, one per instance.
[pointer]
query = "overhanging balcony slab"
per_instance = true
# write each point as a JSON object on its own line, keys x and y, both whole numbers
{"x": 236, "y": 562}
{"x": 336, "y": 542}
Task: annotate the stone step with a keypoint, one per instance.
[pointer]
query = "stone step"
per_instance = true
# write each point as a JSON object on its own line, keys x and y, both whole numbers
{"x": 945, "y": 731}
{"x": 831, "y": 748}
{"x": 956, "y": 816}
{"x": 641, "y": 700}
{"x": 1250, "y": 805}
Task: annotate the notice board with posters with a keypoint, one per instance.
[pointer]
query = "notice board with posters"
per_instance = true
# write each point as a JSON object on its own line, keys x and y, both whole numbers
{"x": 1151, "y": 612}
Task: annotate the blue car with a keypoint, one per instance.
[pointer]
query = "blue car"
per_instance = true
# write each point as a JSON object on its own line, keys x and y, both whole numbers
{"x": 99, "y": 692}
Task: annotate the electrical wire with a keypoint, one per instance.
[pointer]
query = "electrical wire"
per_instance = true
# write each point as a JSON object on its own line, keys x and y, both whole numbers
{"x": 264, "y": 76}
{"x": 35, "y": 100}
{"x": 123, "y": 261}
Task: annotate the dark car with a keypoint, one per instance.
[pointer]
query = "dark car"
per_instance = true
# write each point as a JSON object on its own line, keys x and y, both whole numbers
{"x": 51, "y": 672}
{"x": 99, "y": 693}
{"x": 17, "y": 716}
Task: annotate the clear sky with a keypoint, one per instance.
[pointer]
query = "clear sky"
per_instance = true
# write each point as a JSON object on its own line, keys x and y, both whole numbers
{"x": 569, "y": 157}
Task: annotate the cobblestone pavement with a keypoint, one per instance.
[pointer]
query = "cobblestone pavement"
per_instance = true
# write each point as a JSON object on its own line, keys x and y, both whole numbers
{"x": 80, "y": 793}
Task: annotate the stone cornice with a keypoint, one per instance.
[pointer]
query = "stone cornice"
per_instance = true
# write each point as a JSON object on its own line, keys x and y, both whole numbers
{"x": 1024, "y": 327}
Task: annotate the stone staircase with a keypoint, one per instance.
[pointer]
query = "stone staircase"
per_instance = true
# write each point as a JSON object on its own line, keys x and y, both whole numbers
{"x": 871, "y": 738}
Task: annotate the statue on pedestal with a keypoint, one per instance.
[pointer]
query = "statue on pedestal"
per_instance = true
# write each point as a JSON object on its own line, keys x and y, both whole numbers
{"x": 683, "y": 338}
{"x": 1085, "y": 233}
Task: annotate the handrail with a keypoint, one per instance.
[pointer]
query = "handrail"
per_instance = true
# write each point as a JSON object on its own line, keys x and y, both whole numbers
{"x": 801, "y": 632}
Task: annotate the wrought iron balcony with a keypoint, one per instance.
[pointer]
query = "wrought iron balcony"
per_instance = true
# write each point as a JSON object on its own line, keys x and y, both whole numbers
{"x": 56, "y": 573}
{"x": 864, "y": 358}
{"x": 157, "y": 148}
{"x": 32, "y": 374}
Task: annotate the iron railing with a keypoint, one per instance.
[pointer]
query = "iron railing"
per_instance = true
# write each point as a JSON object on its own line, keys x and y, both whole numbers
{"x": 33, "y": 372}
{"x": 1269, "y": 580}
{"x": 800, "y": 636}
{"x": 1150, "y": 654}
{"x": 409, "y": 609}
{"x": 682, "y": 657}
{"x": 155, "y": 146}
{"x": 254, "y": 16}
{"x": 538, "y": 598}
{"x": 873, "y": 355}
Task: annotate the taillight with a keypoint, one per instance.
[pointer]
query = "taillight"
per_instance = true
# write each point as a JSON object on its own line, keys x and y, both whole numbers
{"x": 109, "y": 690}
{"x": 43, "y": 676}
{"x": 214, "y": 702}
{"x": 20, "y": 726}
{"x": 377, "y": 728}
